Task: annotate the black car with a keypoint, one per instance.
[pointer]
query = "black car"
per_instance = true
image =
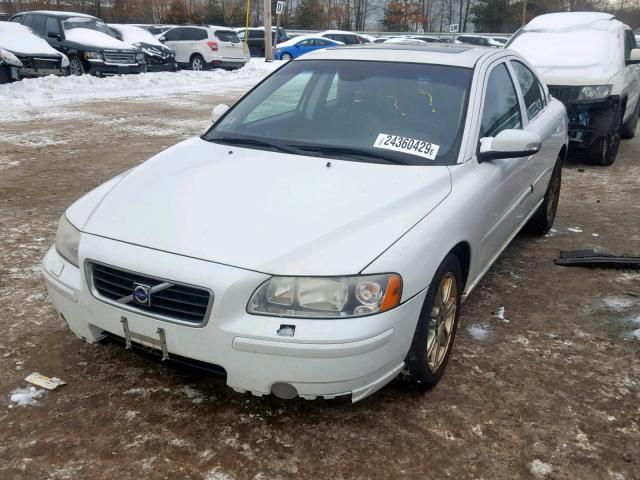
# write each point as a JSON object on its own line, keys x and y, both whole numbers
{"x": 256, "y": 39}
{"x": 159, "y": 57}
{"x": 87, "y": 42}
{"x": 348, "y": 38}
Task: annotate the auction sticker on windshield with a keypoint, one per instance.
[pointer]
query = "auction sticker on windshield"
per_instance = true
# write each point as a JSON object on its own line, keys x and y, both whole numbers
{"x": 411, "y": 146}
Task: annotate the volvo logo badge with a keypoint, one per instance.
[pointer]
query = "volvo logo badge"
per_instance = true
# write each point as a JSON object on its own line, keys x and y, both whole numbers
{"x": 142, "y": 294}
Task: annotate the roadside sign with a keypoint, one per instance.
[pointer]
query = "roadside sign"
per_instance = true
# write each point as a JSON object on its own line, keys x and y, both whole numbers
{"x": 420, "y": 30}
{"x": 454, "y": 28}
{"x": 280, "y": 8}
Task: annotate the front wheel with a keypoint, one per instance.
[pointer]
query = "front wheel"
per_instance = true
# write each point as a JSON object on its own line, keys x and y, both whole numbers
{"x": 542, "y": 221}
{"x": 433, "y": 338}
{"x": 75, "y": 66}
{"x": 605, "y": 149}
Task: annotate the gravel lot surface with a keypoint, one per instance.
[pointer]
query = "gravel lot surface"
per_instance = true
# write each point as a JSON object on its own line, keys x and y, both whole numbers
{"x": 552, "y": 391}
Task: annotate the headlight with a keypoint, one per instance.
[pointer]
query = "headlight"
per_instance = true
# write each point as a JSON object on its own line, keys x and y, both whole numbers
{"x": 9, "y": 58}
{"x": 67, "y": 239}
{"x": 140, "y": 57}
{"x": 593, "y": 93}
{"x": 65, "y": 61}
{"x": 93, "y": 55}
{"x": 326, "y": 297}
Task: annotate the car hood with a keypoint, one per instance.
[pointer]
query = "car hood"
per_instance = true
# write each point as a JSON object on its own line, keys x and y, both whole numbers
{"x": 265, "y": 211}
{"x": 94, "y": 39}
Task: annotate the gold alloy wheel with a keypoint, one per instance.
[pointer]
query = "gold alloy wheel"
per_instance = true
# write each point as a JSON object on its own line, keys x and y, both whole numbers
{"x": 554, "y": 194}
{"x": 442, "y": 321}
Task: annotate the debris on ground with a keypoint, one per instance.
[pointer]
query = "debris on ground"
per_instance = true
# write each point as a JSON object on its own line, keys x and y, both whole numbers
{"x": 575, "y": 229}
{"x": 478, "y": 332}
{"x": 499, "y": 314}
{"x": 539, "y": 469}
{"x": 44, "y": 381}
{"x": 25, "y": 397}
{"x": 592, "y": 259}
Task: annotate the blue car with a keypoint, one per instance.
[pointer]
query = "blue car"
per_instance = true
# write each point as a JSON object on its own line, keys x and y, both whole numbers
{"x": 300, "y": 45}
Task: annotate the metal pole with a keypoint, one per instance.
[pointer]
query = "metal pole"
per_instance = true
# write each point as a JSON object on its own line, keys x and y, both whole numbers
{"x": 268, "y": 51}
{"x": 524, "y": 12}
{"x": 275, "y": 42}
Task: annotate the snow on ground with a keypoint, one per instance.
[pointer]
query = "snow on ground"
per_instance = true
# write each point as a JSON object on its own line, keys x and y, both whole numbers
{"x": 477, "y": 331}
{"x": 32, "y": 97}
{"x": 539, "y": 469}
{"x": 24, "y": 397}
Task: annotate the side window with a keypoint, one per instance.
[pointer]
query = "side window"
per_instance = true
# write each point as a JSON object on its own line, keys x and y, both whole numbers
{"x": 255, "y": 34}
{"x": 173, "y": 34}
{"x": 38, "y": 24}
{"x": 199, "y": 34}
{"x": 306, "y": 43}
{"x": 533, "y": 99}
{"x": 320, "y": 43}
{"x": 52, "y": 26}
{"x": 501, "y": 108}
{"x": 18, "y": 18}
{"x": 629, "y": 43}
{"x": 28, "y": 20}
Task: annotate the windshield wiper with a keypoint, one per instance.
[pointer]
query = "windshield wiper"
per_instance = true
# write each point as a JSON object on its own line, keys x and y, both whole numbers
{"x": 356, "y": 153}
{"x": 239, "y": 141}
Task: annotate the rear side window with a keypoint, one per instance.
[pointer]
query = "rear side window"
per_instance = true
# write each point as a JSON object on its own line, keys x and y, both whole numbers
{"x": 28, "y": 20}
{"x": 52, "y": 26}
{"x": 531, "y": 90}
{"x": 194, "y": 34}
{"x": 629, "y": 43}
{"x": 227, "y": 36}
{"x": 501, "y": 109}
{"x": 255, "y": 34}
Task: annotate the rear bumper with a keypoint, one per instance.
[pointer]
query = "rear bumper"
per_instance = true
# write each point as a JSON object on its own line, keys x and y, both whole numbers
{"x": 227, "y": 63}
{"x": 326, "y": 358}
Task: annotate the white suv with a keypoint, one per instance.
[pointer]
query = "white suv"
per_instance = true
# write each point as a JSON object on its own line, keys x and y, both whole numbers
{"x": 591, "y": 64}
{"x": 202, "y": 47}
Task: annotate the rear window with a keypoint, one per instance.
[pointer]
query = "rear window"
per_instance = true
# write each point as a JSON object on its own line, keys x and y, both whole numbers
{"x": 227, "y": 36}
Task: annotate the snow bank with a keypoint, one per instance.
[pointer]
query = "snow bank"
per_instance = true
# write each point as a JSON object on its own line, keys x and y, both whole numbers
{"x": 20, "y": 39}
{"x": 31, "y": 97}
{"x": 24, "y": 397}
{"x": 96, "y": 39}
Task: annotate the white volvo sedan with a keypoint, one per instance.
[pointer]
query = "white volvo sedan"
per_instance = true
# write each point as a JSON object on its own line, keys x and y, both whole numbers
{"x": 319, "y": 239}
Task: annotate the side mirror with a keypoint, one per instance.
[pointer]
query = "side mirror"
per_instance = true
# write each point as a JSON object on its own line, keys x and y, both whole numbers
{"x": 55, "y": 35}
{"x": 509, "y": 144}
{"x": 634, "y": 57}
{"x": 162, "y": 39}
{"x": 218, "y": 111}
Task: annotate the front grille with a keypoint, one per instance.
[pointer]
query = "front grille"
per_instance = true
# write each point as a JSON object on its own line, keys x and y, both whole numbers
{"x": 566, "y": 95}
{"x": 173, "y": 301}
{"x": 124, "y": 58}
{"x": 46, "y": 63}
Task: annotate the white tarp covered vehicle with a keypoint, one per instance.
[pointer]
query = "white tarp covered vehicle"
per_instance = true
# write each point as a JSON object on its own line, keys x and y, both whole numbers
{"x": 590, "y": 62}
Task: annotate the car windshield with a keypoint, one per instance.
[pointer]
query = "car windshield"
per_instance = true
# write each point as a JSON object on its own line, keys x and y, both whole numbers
{"x": 383, "y": 112}
{"x": 85, "y": 22}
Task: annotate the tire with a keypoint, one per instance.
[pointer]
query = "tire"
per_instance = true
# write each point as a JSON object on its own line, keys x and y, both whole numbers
{"x": 542, "y": 221}
{"x": 427, "y": 358}
{"x": 628, "y": 129}
{"x": 75, "y": 66}
{"x": 605, "y": 149}
{"x": 286, "y": 57}
{"x": 197, "y": 63}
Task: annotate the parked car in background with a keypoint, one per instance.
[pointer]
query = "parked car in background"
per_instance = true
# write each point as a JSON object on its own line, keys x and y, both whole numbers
{"x": 501, "y": 40}
{"x": 153, "y": 29}
{"x": 158, "y": 57}
{"x": 86, "y": 41}
{"x": 203, "y": 47}
{"x": 403, "y": 41}
{"x": 37, "y": 57}
{"x": 9, "y": 67}
{"x": 384, "y": 182}
{"x": 590, "y": 62}
{"x": 426, "y": 38}
{"x": 255, "y": 41}
{"x": 481, "y": 40}
{"x": 348, "y": 38}
{"x": 300, "y": 45}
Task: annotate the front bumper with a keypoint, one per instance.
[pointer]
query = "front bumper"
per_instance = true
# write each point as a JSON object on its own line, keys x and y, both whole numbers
{"x": 42, "y": 72}
{"x": 326, "y": 358}
{"x": 588, "y": 121}
{"x": 156, "y": 64}
{"x": 102, "y": 69}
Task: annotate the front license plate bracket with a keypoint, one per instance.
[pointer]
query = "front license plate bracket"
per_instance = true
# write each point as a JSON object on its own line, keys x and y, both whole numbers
{"x": 160, "y": 342}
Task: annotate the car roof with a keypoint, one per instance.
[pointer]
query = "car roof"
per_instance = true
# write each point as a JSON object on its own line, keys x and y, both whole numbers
{"x": 433, "y": 53}
{"x": 336, "y": 32}
{"x": 568, "y": 21}
{"x": 56, "y": 13}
